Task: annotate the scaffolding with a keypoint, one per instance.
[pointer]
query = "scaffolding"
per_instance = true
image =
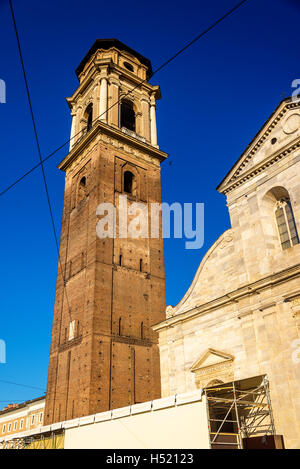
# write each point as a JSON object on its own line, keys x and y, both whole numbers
{"x": 238, "y": 410}
{"x": 48, "y": 440}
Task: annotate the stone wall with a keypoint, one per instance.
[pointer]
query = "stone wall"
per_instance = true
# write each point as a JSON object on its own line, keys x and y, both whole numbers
{"x": 240, "y": 317}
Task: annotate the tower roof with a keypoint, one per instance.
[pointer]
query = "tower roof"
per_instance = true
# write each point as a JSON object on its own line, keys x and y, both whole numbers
{"x": 107, "y": 44}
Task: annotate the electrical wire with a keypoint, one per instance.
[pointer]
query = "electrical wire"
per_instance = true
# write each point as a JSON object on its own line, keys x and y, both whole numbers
{"x": 41, "y": 164}
{"x": 43, "y": 160}
{"x": 199, "y": 36}
{"x": 23, "y": 385}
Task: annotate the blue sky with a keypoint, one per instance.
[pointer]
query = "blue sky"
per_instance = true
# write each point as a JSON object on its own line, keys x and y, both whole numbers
{"x": 215, "y": 97}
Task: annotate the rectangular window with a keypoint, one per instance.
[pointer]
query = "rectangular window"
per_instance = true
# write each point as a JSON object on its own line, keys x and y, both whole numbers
{"x": 72, "y": 330}
{"x": 15, "y": 425}
{"x": 286, "y": 225}
{"x": 4, "y": 428}
{"x": 21, "y": 424}
{"x": 9, "y": 427}
{"x": 41, "y": 417}
{"x": 32, "y": 419}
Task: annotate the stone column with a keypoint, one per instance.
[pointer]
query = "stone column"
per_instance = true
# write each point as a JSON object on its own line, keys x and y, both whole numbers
{"x": 73, "y": 130}
{"x": 145, "y": 118}
{"x": 153, "y": 131}
{"x": 113, "y": 113}
{"x": 103, "y": 99}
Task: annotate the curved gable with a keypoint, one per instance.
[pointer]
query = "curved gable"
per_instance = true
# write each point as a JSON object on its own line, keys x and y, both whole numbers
{"x": 220, "y": 269}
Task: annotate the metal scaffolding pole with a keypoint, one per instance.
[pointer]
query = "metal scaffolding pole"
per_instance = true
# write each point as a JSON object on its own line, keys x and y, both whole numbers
{"x": 251, "y": 403}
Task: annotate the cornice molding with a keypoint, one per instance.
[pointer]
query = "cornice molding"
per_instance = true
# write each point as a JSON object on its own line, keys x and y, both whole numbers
{"x": 234, "y": 178}
{"x": 231, "y": 297}
{"x": 223, "y": 357}
{"x": 261, "y": 166}
{"x": 100, "y": 128}
{"x": 114, "y": 72}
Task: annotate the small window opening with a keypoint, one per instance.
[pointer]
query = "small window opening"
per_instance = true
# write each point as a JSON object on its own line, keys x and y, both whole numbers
{"x": 127, "y": 116}
{"x": 129, "y": 183}
{"x": 141, "y": 265}
{"x": 142, "y": 331}
{"x": 128, "y": 66}
{"x": 120, "y": 326}
{"x": 120, "y": 259}
{"x": 89, "y": 117}
{"x": 82, "y": 189}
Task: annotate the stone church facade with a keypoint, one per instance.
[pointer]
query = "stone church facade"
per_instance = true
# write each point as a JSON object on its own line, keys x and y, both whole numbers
{"x": 241, "y": 315}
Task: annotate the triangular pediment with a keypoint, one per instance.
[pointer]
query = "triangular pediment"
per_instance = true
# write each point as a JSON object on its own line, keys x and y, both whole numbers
{"x": 211, "y": 357}
{"x": 277, "y": 137}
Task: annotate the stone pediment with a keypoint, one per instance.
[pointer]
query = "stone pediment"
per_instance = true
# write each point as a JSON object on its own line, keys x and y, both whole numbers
{"x": 213, "y": 367}
{"x": 211, "y": 358}
{"x": 279, "y": 136}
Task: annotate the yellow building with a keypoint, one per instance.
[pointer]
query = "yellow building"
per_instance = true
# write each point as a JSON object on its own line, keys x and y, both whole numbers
{"x": 17, "y": 419}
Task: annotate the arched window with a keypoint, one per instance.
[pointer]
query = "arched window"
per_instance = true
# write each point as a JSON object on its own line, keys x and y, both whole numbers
{"x": 88, "y": 116}
{"x": 286, "y": 224}
{"x": 127, "y": 115}
{"x": 129, "y": 183}
{"x": 142, "y": 331}
{"x": 280, "y": 224}
{"x": 214, "y": 382}
{"x": 82, "y": 189}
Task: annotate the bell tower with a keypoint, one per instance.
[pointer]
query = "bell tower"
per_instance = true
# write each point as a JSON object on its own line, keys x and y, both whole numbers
{"x": 111, "y": 290}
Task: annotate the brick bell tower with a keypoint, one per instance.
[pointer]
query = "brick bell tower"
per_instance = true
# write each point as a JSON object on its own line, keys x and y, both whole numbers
{"x": 104, "y": 354}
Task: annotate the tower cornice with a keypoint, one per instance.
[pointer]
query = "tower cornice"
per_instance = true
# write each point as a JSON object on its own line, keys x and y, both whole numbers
{"x": 121, "y": 74}
{"x": 246, "y": 166}
{"x": 262, "y": 165}
{"x": 101, "y": 128}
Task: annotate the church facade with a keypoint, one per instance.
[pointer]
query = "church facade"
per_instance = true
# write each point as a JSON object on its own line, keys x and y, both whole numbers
{"x": 240, "y": 317}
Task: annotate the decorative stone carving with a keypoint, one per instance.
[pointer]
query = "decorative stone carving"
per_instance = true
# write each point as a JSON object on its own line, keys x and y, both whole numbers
{"x": 291, "y": 124}
{"x": 296, "y": 310}
{"x": 296, "y": 302}
{"x": 213, "y": 365}
{"x": 227, "y": 239}
{"x": 169, "y": 311}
